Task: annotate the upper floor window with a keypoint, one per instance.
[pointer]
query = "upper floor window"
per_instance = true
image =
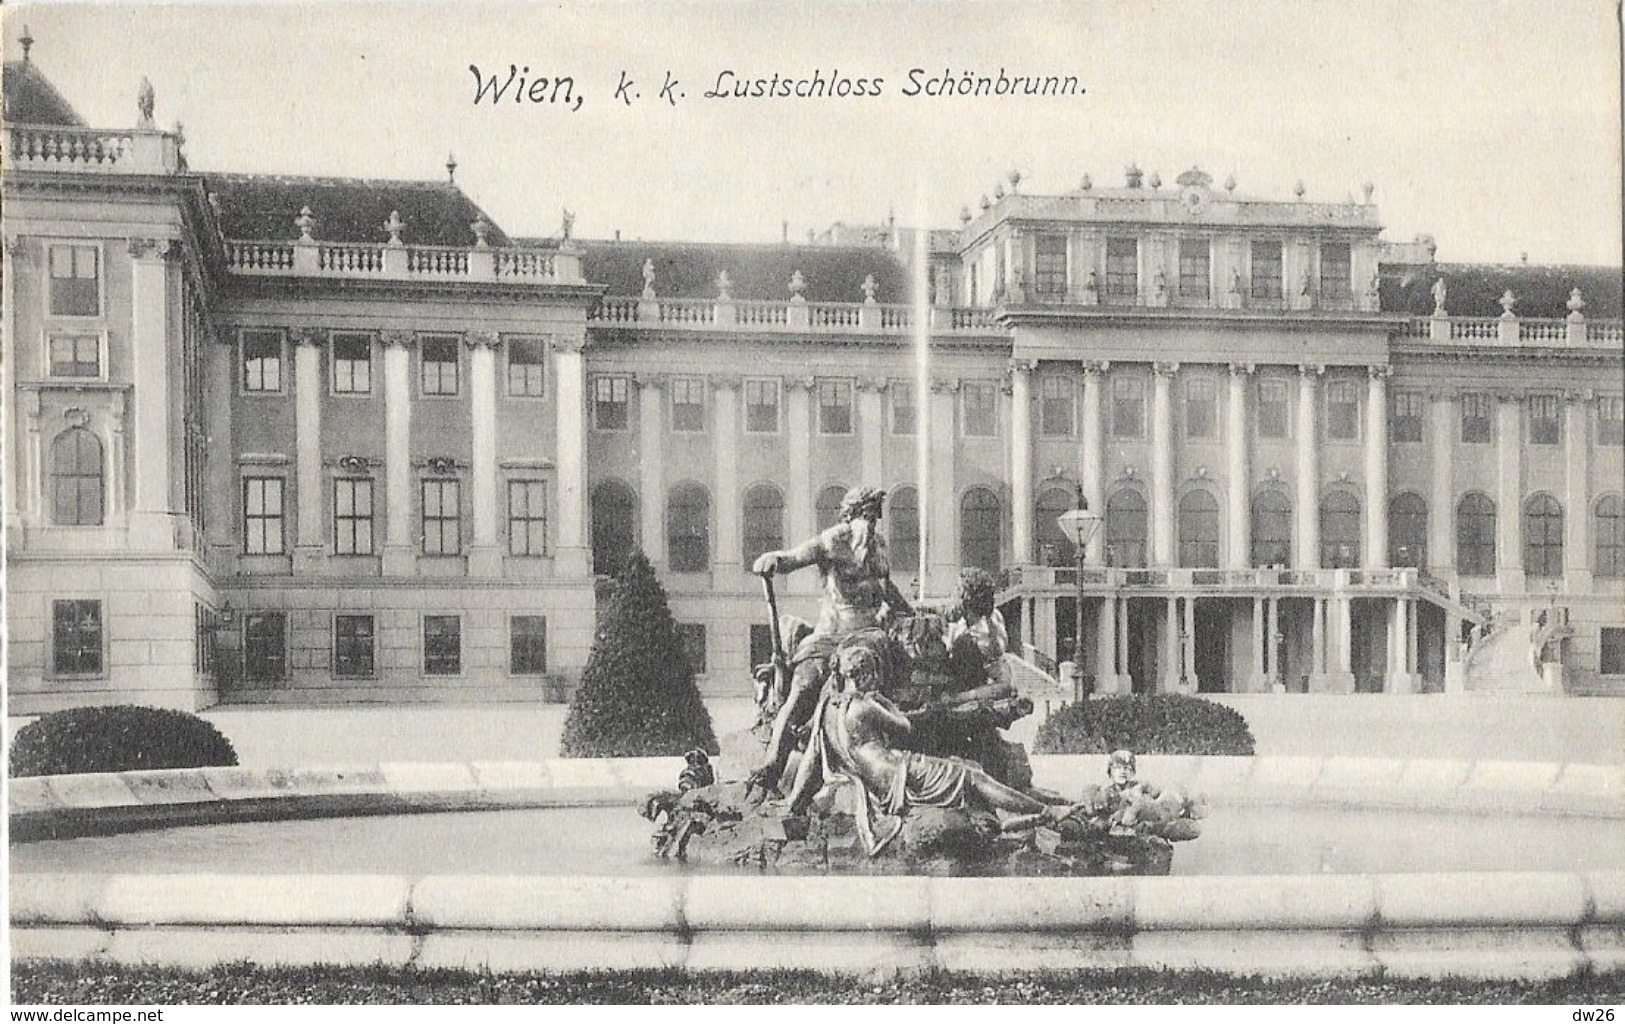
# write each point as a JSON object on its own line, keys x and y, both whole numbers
{"x": 75, "y": 355}
{"x": 262, "y": 515}
{"x": 835, "y": 407}
{"x": 1128, "y": 407}
{"x": 76, "y": 478}
{"x": 352, "y": 516}
{"x": 442, "y": 517}
{"x": 442, "y": 645}
{"x": 1336, "y": 270}
{"x": 1342, "y": 410}
{"x": 764, "y": 521}
{"x": 1545, "y": 419}
{"x": 1273, "y": 407}
{"x": 688, "y": 528}
{"x": 692, "y": 636}
{"x": 1405, "y": 412}
{"x": 981, "y": 406}
{"x": 761, "y": 406}
{"x": 1543, "y": 537}
{"x": 1477, "y": 418}
{"x": 352, "y": 364}
{"x": 1195, "y": 268}
{"x": 1055, "y": 409}
{"x": 262, "y": 360}
{"x": 609, "y": 402}
{"x": 902, "y": 407}
{"x": 1608, "y": 532}
{"x": 440, "y": 362}
{"x": 527, "y": 517}
{"x": 527, "y": 367}
{"x": 1049, "y": 266}
{"x": 75, "y": 280}
{"x": 1201, "y": 408}
{"x": 1266, "y": 269}
{"x": 1122, "y": 268}
{"x": 76, "y": 638}
{"x": 1611, "y": 420}
{"x": 687, "y": 404}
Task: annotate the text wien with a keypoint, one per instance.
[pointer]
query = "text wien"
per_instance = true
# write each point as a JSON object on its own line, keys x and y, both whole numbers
{"x": 559, "y": 90}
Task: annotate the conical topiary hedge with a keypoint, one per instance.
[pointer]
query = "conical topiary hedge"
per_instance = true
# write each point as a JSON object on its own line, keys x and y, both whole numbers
{"x": 637, "y": 696}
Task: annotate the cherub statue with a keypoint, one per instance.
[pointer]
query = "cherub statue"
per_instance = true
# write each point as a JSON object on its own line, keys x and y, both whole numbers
{"x": 568, "y": 225}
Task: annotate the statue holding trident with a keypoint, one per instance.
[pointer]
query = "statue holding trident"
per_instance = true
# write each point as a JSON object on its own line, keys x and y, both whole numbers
{"x": 857, "y": 594}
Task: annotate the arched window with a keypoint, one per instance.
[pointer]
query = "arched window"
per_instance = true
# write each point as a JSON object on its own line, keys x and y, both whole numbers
{"x": 1475, "y": 535}
{"x": 1609, "y": 530}
{"x": 1199, "y": 530}
{"x": 1339, "y": 530}
{"x": 1542, "y": 537}
{"x": 614, "y": 526}
{"x": 1272, "y": 528}
{"x": 1125, "y": 529}
{"x": 764, "y": 521}
{"x": 829, "y": 506}
{"x": 903, "y": 531}
{"x": 1408, "y": 531}
{"x": 76, "y": 478}
{"x": 688, "y": 528}
{"x": 979, "y": 529}
{"x": 1054, "y": 546}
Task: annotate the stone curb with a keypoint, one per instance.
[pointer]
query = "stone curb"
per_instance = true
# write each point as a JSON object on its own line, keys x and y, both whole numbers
{"x": 1524, "y": 925}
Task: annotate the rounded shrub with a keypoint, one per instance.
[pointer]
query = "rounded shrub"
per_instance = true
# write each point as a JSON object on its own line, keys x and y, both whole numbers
{"x": 117, "y": 738}
{"x": 1158, "y": 723}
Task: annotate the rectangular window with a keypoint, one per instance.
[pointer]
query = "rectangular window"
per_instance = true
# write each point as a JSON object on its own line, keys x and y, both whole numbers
{"x": 1611, "y": 420}
{"x": 1201, "y": 408}
{"x": 262, "y": 515}
{"x": 439, "y": 363}
{"x": 527, "y": 645}
{"x": 1545, "y": 419}
{"x": 1195, "y": 262}
{"x": 265, "y": 647}
{"x": 688, "y": 404}
{"x": 1128, "y": 407}
{"x": 76, "y": 355}
{"x": 761, "y": 645}
{"x": 610, "y": 402}
{"x": 442, "y": 645}
{"x": 981, "y": 408}
{"x": 352, "y": 364}
{"x": 903, "y": 419}
{"x": 1612, "y": 657}
{"x": 262, "y": 360}
{"x": 527, "y": 517}
{"x": 1055, "y": 416}
{"x": 1122, "y": 268}
{"x": 353, "y": 646}
{"x": 202, "y": 639}
{"x": 527, "y": 367}
{"x": 1342, "y": 410}
{"x": 442, "y": 517}
{"x": 1406, "y": 411}
{"x": 693, "y": 637}
{"x": 1273, "y": 408}
{"x": 835, "y": 407}
{"x": 1049, "y": 266}
{"x": 761, "y": 406}
{"x": 76, "y": 638}
{"x": 1266, "y": 270}
{"x": 1336, "y": 270}
{"x": 1477, "y": 418}
{"x": 75, "y": 280}
{"x": 352, "y": 516}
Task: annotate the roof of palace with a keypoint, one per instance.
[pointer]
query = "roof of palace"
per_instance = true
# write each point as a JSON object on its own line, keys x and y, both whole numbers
{"x": 1475, "y": 289}
{"x": 30, "y": 98}
{"x": 264, "y": 207}
{"x": 833, "y": 273}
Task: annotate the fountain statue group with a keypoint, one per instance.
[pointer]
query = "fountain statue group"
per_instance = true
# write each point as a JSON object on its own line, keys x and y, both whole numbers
{"x": 883, "y": 750}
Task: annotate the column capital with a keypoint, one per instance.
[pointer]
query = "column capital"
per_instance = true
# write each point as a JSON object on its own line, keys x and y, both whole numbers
{"x": 945, "y": 385}
{"x": 1095, "y": 367}
{"x": 1379, "y": 373}
{"x": 397, "y": 339}
{"x": 1580, "y": 396}
{"x": 1023, "y": 365}
{"x": 13, "y": 245}
{"x": 153, "y": 248}
{"x": 1443, "y": 393}
{"x": 569, "y": 344}
{"x": 651, "y": 380}
{"x": 1242, "y": 370}
{"x": 311, "y": 336}
{"x": 799, "y": 383}
{"x": 727, "y": 382}
{"x": 1007, "y": 386}
{"x": 1164, "y": 369}
{"x": 1309, "y": 371}
{"x": 476, "y": 340}
{"x": 873, "y": 384}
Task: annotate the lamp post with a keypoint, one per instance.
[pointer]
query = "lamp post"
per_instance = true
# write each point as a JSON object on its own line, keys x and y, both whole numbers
{"x": 1080, "y": 525}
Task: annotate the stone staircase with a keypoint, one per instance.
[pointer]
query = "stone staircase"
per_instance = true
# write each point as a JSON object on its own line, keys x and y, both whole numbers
{"x": 1507, "y": 660}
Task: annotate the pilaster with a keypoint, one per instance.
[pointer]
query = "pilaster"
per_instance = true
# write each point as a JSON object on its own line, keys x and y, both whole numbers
{"x": 310, "y": 552}
{"x": 1238, "y": 478}
{"x": 1577, "y": 546}
{"x": 570, "y": 373}
{"x": 1509, "y": 569}
{"x": 1092, "y": 467}
{"x": 400, "y": 554}
{"x": 944, "y": 507}
{"x": 1021, "y": 459}
{"x": 1306, "y": 509}
{"x": 872, "y": 429}
{"x": 726, "y": 551}
{"x": 1376, "y": 468}
{"x": 485, "y": 554}
{"x": 1445, "y": 411}
{"x": 151, "y": 528}
{"x": 652, "y": 466}
{"x": 1162, "y": 463}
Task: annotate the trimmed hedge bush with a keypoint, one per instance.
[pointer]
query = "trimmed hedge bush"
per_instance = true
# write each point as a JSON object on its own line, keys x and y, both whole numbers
{"x": 117, "y": 738}
{"x": 1158, "y": 723}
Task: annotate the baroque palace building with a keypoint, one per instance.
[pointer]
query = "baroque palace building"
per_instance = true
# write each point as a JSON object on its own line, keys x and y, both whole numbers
{"x": 303, "y": 439}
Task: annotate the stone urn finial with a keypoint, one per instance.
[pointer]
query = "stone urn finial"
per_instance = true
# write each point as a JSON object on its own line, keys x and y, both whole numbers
{"x": 1132, "y": 175}
{"x": 145, "y": 100}
{"x": 1366, "y": 190}
{"x": 482, "y": 232}
{"x": 798, "y": 284}
{"x": 648, "y": 278}
{"x": 1576, "y": 303}
{"x": 869, "y": 287}
{"x": 724, "y": 286}
{"x": 306, "y": 223}
{"x": 451, "y": 167}
{"x": 1298, "y": 190}
{"x": 1508, "y": 300}
{"x": 986, "y": 202}
{"x": 1230, "y": 183}
{"x": 964, "y": 215}
{"x": 394, "y": 225}
{"x": 998, "y": 191}
{"x": 1087, "y": 183}
{"x": 1155, "y": 181}
{"x": 1015, "y": 180}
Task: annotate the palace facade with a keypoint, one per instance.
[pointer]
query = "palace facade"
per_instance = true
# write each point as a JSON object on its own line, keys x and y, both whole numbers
{"x": 301, "y": 439}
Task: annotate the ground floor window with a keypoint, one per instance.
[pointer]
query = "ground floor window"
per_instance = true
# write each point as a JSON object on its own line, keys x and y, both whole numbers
{"x": 76, "y": 638}
{"x": 265, "y": 647}
{"x": 1612, "y": 662}
{"x": 527, "y": 645}
{"x": 442, "y": 645}
{"x": 353, "y": 647}
{"x": 761, "y": 645}
{"x": 693, "y": 636}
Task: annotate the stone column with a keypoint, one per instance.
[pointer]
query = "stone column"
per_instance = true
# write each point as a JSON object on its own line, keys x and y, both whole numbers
{"x": 1577, "y": 499}
{"x": 1106, "y": 679}
{"x": 1273, "y": 672}
{"x": 944, "y": 512}
{"x": 1021, "y": 460}
{"x": 309, "y": 546}
{"x": 1376, "y": 468}
{"x": 1187, "y": 648}
{"x": 15, "y": 503}
{"x": 1445, "y": 410}
{"x": 1170, "y": 669}
{"x": 1092, "y": 470}
{"x": 1399, "y": 679}
{"x": 651, "y": 466}
{"x": 872, "y": 431}
{"x": 1162, "y": 463}
{"x": 1306, "y": 510}
{"x": 400, "y": 553}
{"x": 151, "y": 528}
{"x": 1258, "y": 639}
{"x": 1509, "y": 493}
{"x": 1340, "y": 676}
{"x": 730, "y": 540}
{"x": 32, "y": 496}
{"x": 485, "y": 554}
{"x": 1123, "y": 674}
{"x": 798, "y": 498}
{"x": 1238, "y": 479}
{"x": 1317, "y": 643}
{"x": 570, "y": 371}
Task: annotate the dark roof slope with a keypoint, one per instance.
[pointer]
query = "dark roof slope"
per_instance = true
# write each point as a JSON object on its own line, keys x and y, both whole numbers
{"x": 346, "y": 209}
{"x": 834, "y": 273}
{"x": 1475, "y": 289}
{"x": 30, "y": 98}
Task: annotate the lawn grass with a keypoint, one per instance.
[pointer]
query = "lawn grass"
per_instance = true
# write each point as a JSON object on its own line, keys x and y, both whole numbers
{"x": 61, "y": 982}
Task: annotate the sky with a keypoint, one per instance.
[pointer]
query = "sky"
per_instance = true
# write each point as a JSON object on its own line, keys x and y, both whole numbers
{"x": 1492, "y": 125}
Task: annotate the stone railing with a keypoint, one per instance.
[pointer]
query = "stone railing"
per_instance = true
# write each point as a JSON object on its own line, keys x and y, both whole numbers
{"x": 392, "y": 262}
{"x": 91, "y": 150}
{"x": 787, "y": 315}
{"x": 1095, "y": 578}
{"x": 1512, "y": 331}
